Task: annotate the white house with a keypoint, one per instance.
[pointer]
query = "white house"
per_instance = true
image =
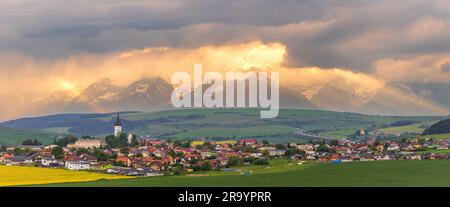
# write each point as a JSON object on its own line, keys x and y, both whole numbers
{"x": 393, "y": 148}
{"x": 49, "y": 162}
{"x": 277, "y": 152}
{"x": 77, "y": 165}
{"x": 305, "y": 147}
{"x": 88, "y": 143}
{"x": 382, "y": 157}
{"x": 367, "y": 158}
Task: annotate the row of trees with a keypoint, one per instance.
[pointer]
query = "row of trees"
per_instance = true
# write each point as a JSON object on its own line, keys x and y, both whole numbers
{"x": 30, "y": 142}
{"x": 121, "y": 141}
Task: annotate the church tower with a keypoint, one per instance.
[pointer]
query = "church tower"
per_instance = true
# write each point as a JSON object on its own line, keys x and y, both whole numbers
{"x": 117, "y": 126}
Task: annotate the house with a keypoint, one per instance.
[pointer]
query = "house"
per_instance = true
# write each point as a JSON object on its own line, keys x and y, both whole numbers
{"x": 257, "y": 155}
{"x": 88, "y": 143}
{"x": 49, "y": 161}
{"x": 379, "y": 147}
{"x": 367, "y": 158}
{"x": 88, "y": 158}
{"x": 23, "y": 147}
{"x": 5, "y": 156}
{"x": 310, "y": 157}
{"x": 335, "y": 157}
{"x": 125, "y": 171}
{"x": 393, "y": 148}
{"x": 383, "y": 157}
{"x": 18, "y": 160}
{"x": 125, "y": 160}
{"x": 408, "y": 147}
{"x": 325, "y": 158}
{"x": 277, "y": 152}
{"x": 305, "y": 147}
{"x": 261, "y": 149}
{"x": 77, "y": 165}
{"x": 247, "y": 141}
{"x": 413, "y": 156}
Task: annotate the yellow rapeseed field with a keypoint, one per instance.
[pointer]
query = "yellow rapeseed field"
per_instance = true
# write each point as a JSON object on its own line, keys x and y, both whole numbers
{"x": 227, "y": 142}
{"x": 195, "y": 143}
{"x": 17, "y": 175}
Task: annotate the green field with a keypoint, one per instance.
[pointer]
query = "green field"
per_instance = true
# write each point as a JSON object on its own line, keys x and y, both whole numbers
{"x": 378, "y": 173}
{"x": 413, "y": 128}
{"x": 339, "y": 134}
{"x": 437, "y": 136}
{"x": 16, "y": 136}
{"x": 436, "y": 151}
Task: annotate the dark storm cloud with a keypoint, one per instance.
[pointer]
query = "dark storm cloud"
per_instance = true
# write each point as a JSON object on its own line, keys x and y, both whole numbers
{"x": 349, "y": 34}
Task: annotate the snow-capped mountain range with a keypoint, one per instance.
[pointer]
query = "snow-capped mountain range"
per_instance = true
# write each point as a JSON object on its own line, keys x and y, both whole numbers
{"x": 152, "y": 94}
{"x": 148, "y": 94}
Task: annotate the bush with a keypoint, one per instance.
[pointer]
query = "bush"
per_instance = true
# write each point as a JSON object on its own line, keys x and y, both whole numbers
{"x": 261, "y": 162}
{"x": 235, "y": 161}
{"x": 206, "y": 166}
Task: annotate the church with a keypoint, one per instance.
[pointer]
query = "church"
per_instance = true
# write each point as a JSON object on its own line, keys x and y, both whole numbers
{"x": 117, "y": 126}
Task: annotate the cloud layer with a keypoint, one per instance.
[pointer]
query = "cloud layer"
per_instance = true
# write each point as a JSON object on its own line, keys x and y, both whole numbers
{"x": 347, "y": 34}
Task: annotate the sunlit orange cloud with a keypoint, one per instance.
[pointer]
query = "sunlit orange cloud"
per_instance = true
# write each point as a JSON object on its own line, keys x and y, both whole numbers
{"x": 77, "y": 72}
{"x": 425, "y": 68}
{"x": 310, "y": 80}
{"x": 40, "y": 77}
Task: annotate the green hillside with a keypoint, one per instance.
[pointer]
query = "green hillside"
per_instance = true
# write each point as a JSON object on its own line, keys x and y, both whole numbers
{"x": 15, "y": 136}
{"x": 437, "y": 136}
{"x": 216, "y": 123}
{"x": 380, "y": 173}
{"x": 440, "y": 127}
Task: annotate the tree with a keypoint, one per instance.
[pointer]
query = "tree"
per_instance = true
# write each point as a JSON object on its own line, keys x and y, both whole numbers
{"x": 65, "y": 140}
{"x": 291, "y": 151}
{"x": 134, "y": 141}
{"x": 176, "y": 170}
{"x": 280, "y": 146}
{"x": 124, "y": 150}
{"x": 334, "y": 142}
{"x": 261, "y": 162}
{"x": 265, "y": 153}
{"x": 18, "y": 151}
{"x": 235, "y": 161}
{"x": 265, "y": 142}
{"x": 120, "y": 141}
{"x": 249, "y": 149}
{"x": 324, "y": 148}
{"x": 30, "y": 142}
{"x": 3, "y": 148}
{"x": 206, "y": 166}
{"x": 27, "y": 142}
{"x": 100, "y": 155}
{"x": 177, "y": 143}
{"x": 58, "y": 152}
{"x": 172, "y": 153}
{"x": 81, "y": 151}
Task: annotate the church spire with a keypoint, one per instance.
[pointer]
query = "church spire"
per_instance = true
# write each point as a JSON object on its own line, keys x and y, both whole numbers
{"x": 117, "y": 123}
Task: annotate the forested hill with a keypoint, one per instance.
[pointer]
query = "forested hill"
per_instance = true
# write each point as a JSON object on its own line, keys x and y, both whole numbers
{"x": 439, "y": 127}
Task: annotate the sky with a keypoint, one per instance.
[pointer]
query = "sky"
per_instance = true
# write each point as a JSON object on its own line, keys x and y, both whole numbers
{"x": 56, "y": 45}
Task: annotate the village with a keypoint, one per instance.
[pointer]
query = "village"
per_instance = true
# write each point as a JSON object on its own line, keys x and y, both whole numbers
{"x": 126, "y": 154}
